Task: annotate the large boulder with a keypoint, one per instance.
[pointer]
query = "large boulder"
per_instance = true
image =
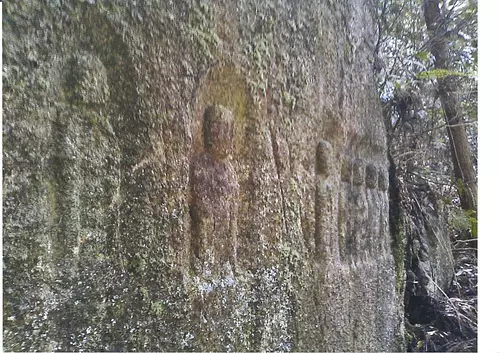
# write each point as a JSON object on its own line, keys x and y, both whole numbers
{"x": 195, "y": 175}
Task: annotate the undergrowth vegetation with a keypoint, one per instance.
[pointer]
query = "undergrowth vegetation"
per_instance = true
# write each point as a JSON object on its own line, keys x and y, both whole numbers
{"x": 453, "y": 324}
{"x": 426, "y": 66}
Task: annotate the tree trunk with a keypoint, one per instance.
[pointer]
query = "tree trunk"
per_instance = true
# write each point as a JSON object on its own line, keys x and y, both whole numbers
{"x": 465, "y": 175}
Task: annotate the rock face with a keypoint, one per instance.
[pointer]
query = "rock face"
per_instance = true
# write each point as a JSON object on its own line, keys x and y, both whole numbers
{"x": 195, "y": 175}
{"x": 430, "y": 264}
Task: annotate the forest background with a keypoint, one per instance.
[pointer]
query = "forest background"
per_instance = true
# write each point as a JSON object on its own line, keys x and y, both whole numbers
{"x": 488, "y": 184}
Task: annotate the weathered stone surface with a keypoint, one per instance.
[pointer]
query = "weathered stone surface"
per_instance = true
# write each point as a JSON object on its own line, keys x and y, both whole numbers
{"x": 163, "y": 184}
{"x": 371, "y": 180}
{"x": 430, "y": 260}
{"x": 383, "y": 179}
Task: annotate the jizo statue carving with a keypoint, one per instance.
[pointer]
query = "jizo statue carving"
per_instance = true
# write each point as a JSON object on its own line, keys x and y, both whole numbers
{"x": 214, "y": 192}
{"x": 326, "y": 236}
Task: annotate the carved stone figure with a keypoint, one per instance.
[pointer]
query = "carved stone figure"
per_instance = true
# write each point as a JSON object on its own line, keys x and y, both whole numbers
{"x": 358, "y": 177}
{"x": 383, "y": 180}
{"x": 214, "y": 192}
{"x": 371, "y": 176}
{"x": 326, "y": 242}
{"x": 87, "y": 79}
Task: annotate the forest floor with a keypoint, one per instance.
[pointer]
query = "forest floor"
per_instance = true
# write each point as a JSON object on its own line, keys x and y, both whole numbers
{"x": 454, "y": 324}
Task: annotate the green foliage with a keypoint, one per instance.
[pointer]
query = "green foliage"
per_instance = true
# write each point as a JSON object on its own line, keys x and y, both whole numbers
{"x": 439, "y": 73}
{"x": 463, "y": 220}
{"x": 472, "y": 218}
{"x": 422, "y": 55}
{"x": 458, "y": 219}
{"x": 421, "y": 145}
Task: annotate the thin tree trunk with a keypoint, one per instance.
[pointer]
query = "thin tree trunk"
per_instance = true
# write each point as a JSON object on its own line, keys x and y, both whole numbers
{"x": 465, "y": 174}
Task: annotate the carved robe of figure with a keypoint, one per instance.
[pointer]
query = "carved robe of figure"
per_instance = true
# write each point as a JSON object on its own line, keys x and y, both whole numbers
{"x": 325, "y": 234}
{"x": 214, "y": 193}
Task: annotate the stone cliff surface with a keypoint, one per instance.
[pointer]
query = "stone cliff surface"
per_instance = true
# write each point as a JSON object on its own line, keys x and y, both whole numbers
{"x": 195, "y": 175}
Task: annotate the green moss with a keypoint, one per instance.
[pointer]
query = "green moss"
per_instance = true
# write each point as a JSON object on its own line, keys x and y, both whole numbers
{"x": 144, "y": 292}
{"x": 348, "y": 52}
{"x": 51, "y": 198}
{"x": 156, "y": 308}
{"x": 137, "y": 265}
{"x": 289, "y": 100}
{"x": 259, "y": 52}
{"x": 201, "y": 27}
{"x": 226, "y": 87}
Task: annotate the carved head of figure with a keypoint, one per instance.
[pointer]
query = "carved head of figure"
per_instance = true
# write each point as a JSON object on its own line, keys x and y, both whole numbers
{"x": 86, "y": 79}
{"x": 324, "y": 153}
{"x": 218, "y": 131}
